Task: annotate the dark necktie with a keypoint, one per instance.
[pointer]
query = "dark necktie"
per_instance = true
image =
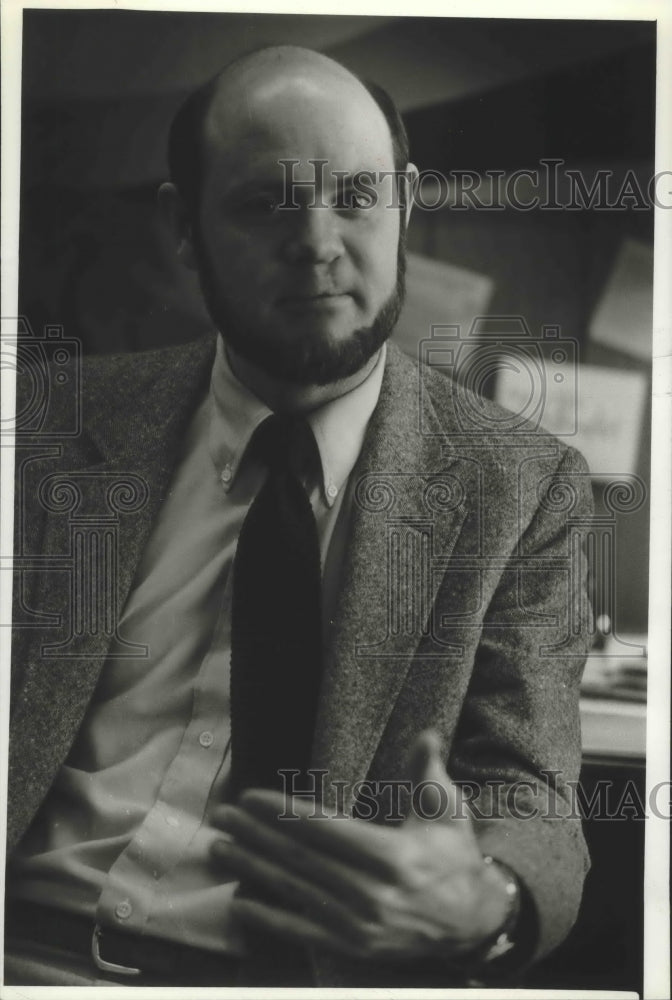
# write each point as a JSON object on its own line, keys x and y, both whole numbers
{"x": 276, "y": 641}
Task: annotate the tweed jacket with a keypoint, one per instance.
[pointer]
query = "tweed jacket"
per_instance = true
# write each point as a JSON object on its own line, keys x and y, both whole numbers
{"x": 461, "y": 604}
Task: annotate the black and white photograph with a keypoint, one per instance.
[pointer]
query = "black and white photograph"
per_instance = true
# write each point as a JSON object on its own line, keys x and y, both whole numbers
{"x": 336, "y": 488}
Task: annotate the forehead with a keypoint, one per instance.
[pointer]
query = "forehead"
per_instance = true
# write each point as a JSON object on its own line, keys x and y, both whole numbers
{"x": 249, "y": 130}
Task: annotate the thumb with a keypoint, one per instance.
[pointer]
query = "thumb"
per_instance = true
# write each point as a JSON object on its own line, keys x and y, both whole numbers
{"x": 433, "y": 794}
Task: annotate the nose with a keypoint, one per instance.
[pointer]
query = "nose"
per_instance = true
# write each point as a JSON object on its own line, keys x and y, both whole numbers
{"x": 315, "y": 236}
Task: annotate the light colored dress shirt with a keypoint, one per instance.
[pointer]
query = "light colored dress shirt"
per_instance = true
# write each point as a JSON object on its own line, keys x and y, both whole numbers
{"x": 124, "y": 835}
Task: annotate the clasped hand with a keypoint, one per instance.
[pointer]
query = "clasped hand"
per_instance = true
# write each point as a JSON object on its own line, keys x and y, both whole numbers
{"x": 420, "y": 888}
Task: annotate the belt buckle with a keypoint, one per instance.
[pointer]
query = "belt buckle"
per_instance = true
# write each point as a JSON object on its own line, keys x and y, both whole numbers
{"x": 119, "y": 970}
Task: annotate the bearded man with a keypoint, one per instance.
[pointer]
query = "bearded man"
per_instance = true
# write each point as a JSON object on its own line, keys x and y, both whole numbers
{"x": 326, "y": 735}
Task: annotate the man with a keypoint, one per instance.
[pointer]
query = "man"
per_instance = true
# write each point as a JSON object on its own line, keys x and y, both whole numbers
{"x": 159, "y": 805}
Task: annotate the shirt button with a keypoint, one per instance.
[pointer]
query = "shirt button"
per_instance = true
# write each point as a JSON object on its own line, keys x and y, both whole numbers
{"x": 332, "y": 491}
{"x": 226, "y": 474}
{"x": 123, "y": 909}
{"x": 206, "y": 739}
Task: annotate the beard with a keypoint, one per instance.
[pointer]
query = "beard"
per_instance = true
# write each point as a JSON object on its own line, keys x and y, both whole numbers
{"x": 306, "y": 360}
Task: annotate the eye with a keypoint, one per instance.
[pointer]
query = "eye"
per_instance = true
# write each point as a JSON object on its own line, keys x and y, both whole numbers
{"x": 354, "y": 200}
{"x": 260, "y": 205}
{"x": 361, "y": 199}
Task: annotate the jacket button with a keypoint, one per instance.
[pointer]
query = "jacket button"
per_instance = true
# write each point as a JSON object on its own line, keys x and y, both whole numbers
{"x": 123, "y": 909}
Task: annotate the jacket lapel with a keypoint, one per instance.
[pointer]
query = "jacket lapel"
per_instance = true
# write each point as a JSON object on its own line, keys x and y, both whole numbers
{"x": 140, "y": 454}
{"x": 99, "y": 509}
{"x": 135, "y": 417}
{"x": 407, "y": 509}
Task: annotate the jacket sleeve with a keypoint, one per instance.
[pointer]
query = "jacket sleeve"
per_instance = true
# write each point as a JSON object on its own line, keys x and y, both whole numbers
{"x": 517, "y": 748}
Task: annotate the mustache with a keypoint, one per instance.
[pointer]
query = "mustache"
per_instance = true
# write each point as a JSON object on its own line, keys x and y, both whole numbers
{"x": 303, "y": 361}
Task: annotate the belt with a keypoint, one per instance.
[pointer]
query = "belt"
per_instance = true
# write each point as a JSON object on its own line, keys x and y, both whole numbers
{"x": 132, "y": 958}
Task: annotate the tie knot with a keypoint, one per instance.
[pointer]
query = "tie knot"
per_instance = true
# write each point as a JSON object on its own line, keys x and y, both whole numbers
{"x": 286, "y": 442}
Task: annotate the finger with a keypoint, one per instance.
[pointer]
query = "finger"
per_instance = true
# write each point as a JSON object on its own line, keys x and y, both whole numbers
{"x": 291, "y": 927}
{"x": 285, "y": 885}
{"x": 434, "y": 796}
{"x": 273, "y": 844}
{"x": 321, "y": 906}
{"x": 424, "y": 753}
{"x": 364, "y": 845}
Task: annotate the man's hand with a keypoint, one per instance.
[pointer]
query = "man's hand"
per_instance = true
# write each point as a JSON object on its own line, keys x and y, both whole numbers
{"x": 417, "y": 889}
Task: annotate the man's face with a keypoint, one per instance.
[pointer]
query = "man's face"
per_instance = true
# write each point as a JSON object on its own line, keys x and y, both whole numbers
{"x": 308, "y": 294}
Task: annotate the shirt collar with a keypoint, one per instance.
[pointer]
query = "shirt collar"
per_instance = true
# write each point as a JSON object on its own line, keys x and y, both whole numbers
{"x": 339, "y": 426}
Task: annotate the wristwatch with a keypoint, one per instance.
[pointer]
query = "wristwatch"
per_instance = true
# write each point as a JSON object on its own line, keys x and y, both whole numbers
{"x": 502, "y": 941}
{"x": 484, "y": 959}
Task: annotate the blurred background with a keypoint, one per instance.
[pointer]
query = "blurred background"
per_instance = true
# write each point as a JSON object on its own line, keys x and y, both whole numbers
{"x": 479, "y": 95}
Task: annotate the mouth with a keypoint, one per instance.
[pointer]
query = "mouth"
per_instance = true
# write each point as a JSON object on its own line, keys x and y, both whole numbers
{"x": 312, "y": 296}
{"x": 317, "y": 301}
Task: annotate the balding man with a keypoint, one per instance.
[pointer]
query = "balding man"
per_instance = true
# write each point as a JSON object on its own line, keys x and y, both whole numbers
{"x": 337, "y": 611}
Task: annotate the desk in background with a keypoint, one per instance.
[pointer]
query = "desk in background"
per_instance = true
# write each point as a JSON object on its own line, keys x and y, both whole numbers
{"x": 605, "y": 948}
{"x": 613, "y": 730}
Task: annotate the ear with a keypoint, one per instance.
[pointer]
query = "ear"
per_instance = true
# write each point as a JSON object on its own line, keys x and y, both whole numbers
{"x": 174, "y": 213}
{"x": 411, "y": 180}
